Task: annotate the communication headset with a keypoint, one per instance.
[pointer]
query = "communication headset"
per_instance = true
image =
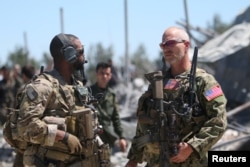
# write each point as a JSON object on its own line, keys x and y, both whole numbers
{"x": 68, "y": 51}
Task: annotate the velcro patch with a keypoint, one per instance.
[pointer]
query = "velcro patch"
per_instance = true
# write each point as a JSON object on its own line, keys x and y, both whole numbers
{"x": 213, "y": 92}
{"x": 171, "y": 84}
{"x": 31, "y": 93}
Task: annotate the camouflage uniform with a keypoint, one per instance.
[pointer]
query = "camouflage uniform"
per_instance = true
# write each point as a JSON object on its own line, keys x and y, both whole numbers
{"x": 108, "y": 115}
{"x": 206, "y": 128}
{"x": 47, "y": 104}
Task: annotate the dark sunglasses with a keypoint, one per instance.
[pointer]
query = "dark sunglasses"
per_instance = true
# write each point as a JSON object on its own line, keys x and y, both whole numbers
{"x": 80, "y": 51}
{"x": 171, "y": 42}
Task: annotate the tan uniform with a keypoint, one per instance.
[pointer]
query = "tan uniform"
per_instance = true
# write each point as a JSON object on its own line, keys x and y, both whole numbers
{"x": 48, "y": 104}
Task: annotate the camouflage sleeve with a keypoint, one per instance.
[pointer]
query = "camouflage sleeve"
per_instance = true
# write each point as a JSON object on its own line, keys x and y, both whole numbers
{"x": 30, "y": 126}
{"x": 213, "y": 102}
{"x": 134, "y": 153}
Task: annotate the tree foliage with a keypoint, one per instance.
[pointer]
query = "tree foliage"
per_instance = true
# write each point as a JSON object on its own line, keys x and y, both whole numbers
{"x": 140, "y": 59}
{"x": 218, "y": 25}
{"x": 21, "y": 56}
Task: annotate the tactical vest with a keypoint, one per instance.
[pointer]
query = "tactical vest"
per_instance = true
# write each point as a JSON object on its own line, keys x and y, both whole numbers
{"x": 65, "y": 109}
{"x": 174, "y": 106}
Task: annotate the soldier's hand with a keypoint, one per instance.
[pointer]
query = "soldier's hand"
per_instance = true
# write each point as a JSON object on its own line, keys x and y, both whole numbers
{"x": 123, "y": 145}
{"x": 185, "y": 151}
{"x": 73, "y": 143}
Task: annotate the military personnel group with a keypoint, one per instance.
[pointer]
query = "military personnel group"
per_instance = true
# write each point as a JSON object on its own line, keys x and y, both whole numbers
{"x": 56, "y": 119}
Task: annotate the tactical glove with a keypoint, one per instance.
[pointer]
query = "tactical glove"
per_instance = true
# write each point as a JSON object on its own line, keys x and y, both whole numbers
{"x": 72, "y": 142}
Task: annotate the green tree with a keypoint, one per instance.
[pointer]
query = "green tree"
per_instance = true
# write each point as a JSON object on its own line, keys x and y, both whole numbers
{"x": 21, "y": 56}
{"x": 141, "y": 61}
{"x": 218, "y": 25}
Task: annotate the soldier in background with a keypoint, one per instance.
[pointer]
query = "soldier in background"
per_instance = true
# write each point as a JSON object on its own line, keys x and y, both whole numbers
{"x": 27, "y": 73}
{"x": 53, "y": 123}
{"x": 108, "y": 110}
{"x": 195, "y": 135}
{"x": 8, "y": 88}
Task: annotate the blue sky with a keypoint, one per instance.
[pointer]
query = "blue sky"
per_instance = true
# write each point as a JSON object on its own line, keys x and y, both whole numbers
{"x": 102, "y": 21}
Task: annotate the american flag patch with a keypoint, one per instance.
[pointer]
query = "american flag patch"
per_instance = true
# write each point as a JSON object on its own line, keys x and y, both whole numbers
{"x": 171, "y": 84}
{"x": 213, "y": 92}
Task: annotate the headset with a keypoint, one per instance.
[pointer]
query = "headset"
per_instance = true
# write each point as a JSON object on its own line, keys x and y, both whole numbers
{"x": 68, "y": 51}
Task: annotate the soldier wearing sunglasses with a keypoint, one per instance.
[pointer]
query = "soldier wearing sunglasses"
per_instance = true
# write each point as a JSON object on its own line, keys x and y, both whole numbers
{"x": 195, "y": 132}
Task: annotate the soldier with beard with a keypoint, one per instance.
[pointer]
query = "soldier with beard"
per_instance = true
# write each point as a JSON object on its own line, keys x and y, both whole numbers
{"x": 53, "y": 124}
{"x": 190, "y": 133}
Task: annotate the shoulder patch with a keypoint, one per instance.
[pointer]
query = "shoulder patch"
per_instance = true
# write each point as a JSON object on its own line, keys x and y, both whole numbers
{"x": 213, "y": 92}
{"x": 31, "y": 93}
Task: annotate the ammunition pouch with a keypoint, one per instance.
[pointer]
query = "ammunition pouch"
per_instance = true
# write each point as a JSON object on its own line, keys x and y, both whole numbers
{"x": 86, "y": 121}
{"x": 10, "y": 132}
{"x": 7, "y": 134}
{"x": 60, "y": 122}
{"x": 35, "y": 155}
{"x": 81, "y": 123}
{"x": 92, "y": 155}
{"x": 104, "y": 154}
{"x": 71, "y": 123}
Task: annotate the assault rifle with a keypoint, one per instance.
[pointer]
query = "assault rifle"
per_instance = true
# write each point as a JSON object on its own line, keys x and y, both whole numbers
{"x": 192, "y": 102}
{"x": 191, "y": 89}
{"x": 155, "y": 78}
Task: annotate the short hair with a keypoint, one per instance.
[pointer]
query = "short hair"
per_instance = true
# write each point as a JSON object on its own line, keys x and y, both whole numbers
{"x": 102, "y": 65}
{"x": 56, "y": 45}
{"x": 28, "y": 71}
{"x": 178, "y": 31}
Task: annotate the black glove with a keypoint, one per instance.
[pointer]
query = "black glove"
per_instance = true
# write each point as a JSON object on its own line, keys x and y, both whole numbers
{"x": 72, "y": 142}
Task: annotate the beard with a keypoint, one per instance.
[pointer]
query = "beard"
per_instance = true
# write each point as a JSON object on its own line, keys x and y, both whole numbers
{"x": 174, "y": 59}
{"x": 79, "y": 72}
{"x": 78, "y": 65}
